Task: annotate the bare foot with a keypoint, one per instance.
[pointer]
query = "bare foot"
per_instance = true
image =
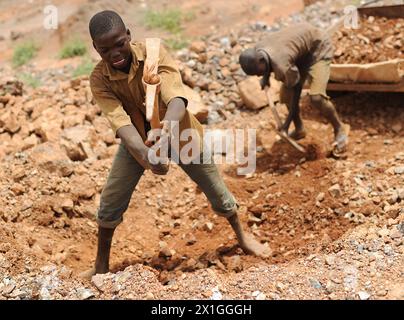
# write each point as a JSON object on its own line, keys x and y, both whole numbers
{"x": 251, "y": 246}
{"x": 298, "y": 134}
{"x": 88, "y": 274}
{"x": 341, "y": 140}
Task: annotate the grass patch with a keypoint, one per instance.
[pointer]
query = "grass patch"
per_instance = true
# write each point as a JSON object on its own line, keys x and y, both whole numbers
{"x": 73, "y": 48}
{"x": 23, "y": 53}
{"x": 30, "y": 80}
{"x": 169, "y": 20}
{"x": 176, "y": 43}
{"x": 84, "y": 68}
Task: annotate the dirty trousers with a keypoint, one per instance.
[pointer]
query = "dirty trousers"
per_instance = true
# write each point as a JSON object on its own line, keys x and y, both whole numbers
{"x": 125, "y": 173}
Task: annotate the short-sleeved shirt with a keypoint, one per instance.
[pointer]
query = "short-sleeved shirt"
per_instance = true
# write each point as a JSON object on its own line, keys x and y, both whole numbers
{"x": 294, "y": 50}
{"x": 121, "y": 96}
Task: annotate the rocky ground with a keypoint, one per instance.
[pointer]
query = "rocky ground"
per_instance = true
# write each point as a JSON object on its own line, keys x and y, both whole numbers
{"x": 336, "y": 228}
{"x": 377, "y": 39}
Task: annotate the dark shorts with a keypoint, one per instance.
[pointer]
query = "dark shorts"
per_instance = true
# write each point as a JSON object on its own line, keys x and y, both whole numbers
{"x": 317, "y": 77}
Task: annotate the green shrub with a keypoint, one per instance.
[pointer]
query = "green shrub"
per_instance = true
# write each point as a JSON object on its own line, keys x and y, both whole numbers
{"x": 176, "y": 43}
{"x": 23, "y": 53}
{"x": 169, "y": 20}
{"x": 73, "y": 48}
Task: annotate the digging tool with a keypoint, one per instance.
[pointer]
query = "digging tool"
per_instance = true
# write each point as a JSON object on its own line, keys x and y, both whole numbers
{"x": 279, "y": 124}
{"x": 151, "y": 81}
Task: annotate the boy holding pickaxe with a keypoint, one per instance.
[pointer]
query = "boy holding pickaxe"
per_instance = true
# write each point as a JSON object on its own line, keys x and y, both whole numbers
{"x": 295, "y": 54}
{"x": 117, "y": 87}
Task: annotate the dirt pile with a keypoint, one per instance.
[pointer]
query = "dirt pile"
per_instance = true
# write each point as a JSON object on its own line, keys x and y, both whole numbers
{"x": 377, "y": 39}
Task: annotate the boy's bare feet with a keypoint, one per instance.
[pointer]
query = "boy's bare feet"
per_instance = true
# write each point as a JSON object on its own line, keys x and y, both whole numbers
{"x": 247, "y": 242}
{"x": 298, "y": 134}
{"x": 88, "y": 274}
{"x": 341, "y": 140}
{"x": 251, "y": 246}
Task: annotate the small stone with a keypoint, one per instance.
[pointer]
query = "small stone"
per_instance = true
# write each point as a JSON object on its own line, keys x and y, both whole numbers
{"x": 393, "y": 198}
{"x": 208, "y": 226}
{"x": 400, "y": 193}
{"x": 399, "y": 170}
{"x": 251, "y": 94}
{"x": 383, "y": 232}
{"x": 400, "y": 228}
{"x": 335, "y": 190}
{"x": 198, "y": 46}
{"x": 8, "y": 288}
{"x": 395, "y": 234}
{"x": 44, "y": 294}
{"x": 388, "y": 250}
{"x": 234, "y": 263}
{"x": 329, "y": 287}
{"x": 98, "y": 281}
{"x": 165, "y": 252}
{"x": 216, "y": 294}
{"x": 320, "y": 197}
{"x": 363, "y": 295}
{"x": 191, "y": 240}
{"x": 280, "y": 286}
{"x": 261, "y": 296}
{"x": 149, "y": 296}
{"x": 381, "y": 293}
{"x": 315, "y": 284}
{"x": 329, "y": 260}
{"x": 85, "y": 293}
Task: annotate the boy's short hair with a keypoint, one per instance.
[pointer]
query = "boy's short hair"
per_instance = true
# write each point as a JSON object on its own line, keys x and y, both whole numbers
{"x": 248, "y": 61}
{"x": 103, "y": 22}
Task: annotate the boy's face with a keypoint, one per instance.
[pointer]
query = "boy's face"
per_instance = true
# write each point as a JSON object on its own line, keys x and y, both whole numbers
{"x": 114, "y": 48}
{"x": 261, "y": 64}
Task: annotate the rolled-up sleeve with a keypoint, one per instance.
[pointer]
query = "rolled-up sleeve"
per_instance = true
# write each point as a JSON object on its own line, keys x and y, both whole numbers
{"x": 292, "y": 77}
{"x": 171, "y": 82}
{"x": 109, "y": 104}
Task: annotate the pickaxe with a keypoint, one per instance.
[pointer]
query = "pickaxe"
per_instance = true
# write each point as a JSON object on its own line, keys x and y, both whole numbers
{"x": 282, "y": 129}
{"x": 151, "y": 81}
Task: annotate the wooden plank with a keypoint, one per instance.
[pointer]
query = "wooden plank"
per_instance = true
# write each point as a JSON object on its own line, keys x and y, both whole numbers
{"x": 370, "y": 87}
{"x": 394, "y": 11}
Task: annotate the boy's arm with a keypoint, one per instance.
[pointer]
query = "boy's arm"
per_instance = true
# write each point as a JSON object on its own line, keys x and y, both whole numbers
{"x": 171, "y": 90}
{"x": 136, "y": 147}
{"x": 292, "y": 77}
{"x": 294, "y": 107}
{"x": 120, "y": 122}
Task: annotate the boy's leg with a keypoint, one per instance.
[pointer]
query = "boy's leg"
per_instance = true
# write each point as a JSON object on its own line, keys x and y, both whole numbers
{"x": 319, "y": 76}
{"x": 207, "y": 177}
{"x": 286, "y": 97}
{"x": 122, "y": 180}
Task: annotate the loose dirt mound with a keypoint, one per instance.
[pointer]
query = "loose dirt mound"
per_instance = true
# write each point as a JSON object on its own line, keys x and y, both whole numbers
{"x": 377, "y": 39}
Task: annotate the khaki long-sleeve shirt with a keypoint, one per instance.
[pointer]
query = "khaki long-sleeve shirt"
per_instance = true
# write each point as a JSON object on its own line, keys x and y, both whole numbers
{"x": 294, "y": 49}
{"x": 121, "y": 96}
